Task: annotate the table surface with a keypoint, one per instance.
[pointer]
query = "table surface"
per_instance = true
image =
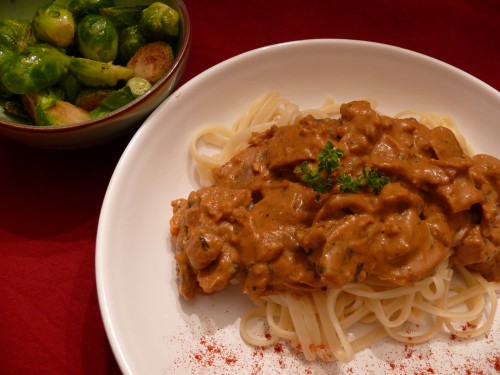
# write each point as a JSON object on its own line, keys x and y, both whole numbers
{"x": 50, "y": 201}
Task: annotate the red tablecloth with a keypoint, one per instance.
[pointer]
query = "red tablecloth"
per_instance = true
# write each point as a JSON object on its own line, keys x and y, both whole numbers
{"x": 50, "y": 321}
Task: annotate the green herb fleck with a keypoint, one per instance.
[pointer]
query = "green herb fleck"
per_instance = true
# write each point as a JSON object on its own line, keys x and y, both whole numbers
{"x": 329, "y": 158}
{"x": 320, "y": 178}
{"x": 349, "y": 184}
{"x": 369, "y": 178}
{"x": 374, "y": 180}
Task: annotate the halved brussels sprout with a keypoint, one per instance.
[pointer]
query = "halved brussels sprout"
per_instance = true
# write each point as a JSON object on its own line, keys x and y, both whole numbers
{"x": 159, "y": 22}
{"x": 16, "y": 34}
{"x": 90, "y": 99}
{"x": 97, "y": 38}
{"x": 47, "y": 108}
{"x": 54, "y": 24}
{"x": 63, "y": 113}
{"x": 33, "y": 101}
{"x": 152, "y": 61}
{"x": 38, "y": 67}
{"x": 96, "y": 73}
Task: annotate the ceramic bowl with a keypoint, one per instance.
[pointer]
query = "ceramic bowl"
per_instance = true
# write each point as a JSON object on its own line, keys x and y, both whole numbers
{"x": 120, "y": 122}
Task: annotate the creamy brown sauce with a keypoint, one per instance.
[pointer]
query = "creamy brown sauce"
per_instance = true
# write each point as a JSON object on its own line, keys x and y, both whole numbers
{"x": 261, "y": 225}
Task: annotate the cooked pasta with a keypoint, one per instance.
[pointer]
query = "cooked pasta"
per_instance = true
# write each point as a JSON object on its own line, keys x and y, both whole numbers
{"x": 319, "y": 323}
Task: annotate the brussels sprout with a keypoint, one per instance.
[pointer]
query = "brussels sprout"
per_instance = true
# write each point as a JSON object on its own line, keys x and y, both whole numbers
{"x": 36, "y": 102}
{"x": 37, "y": 67}
{"x": 10, "y": 45}
{"x": 152, "y": 61}
{"x": 97, "y": 38}
{"x": 54, "y": 24}
{"x": 63, "y": 113}
{"x": 16, "y": 34}
{"x": 5, "y": 54}
{"x": 80, "y": 8}
{"x": 71, "y": 87}
{"x": 159, "y": 22}
{"x": 131, "y": 39}
{"x": 96, "y": 73}
{"x": 134, "y": 88}
{"x": 90, "y": 99}
{"x": 46, "y": 108}
{"x": 123, "y": 16}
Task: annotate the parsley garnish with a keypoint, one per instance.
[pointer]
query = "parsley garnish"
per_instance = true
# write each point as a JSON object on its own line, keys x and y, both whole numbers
{"x": 374, "y": 180}
{"x": 369, "y": 178}
{"x": 313, "y": 177}
{"x": 321, "y": 180}
{"x": 329, "y": 158}
{"x": 349, "y": 184}
{"x": 320, "y": 177}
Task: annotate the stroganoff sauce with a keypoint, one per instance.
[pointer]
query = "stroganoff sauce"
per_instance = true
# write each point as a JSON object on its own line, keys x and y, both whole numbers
{"x": 261, "y": 225}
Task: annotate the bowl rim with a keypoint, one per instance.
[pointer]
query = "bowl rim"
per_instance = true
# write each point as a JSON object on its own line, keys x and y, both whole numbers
{"x": 182, "y": 53}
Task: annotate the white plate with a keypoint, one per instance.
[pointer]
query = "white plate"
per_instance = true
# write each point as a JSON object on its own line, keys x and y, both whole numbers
{"x": 151, "y": 330}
